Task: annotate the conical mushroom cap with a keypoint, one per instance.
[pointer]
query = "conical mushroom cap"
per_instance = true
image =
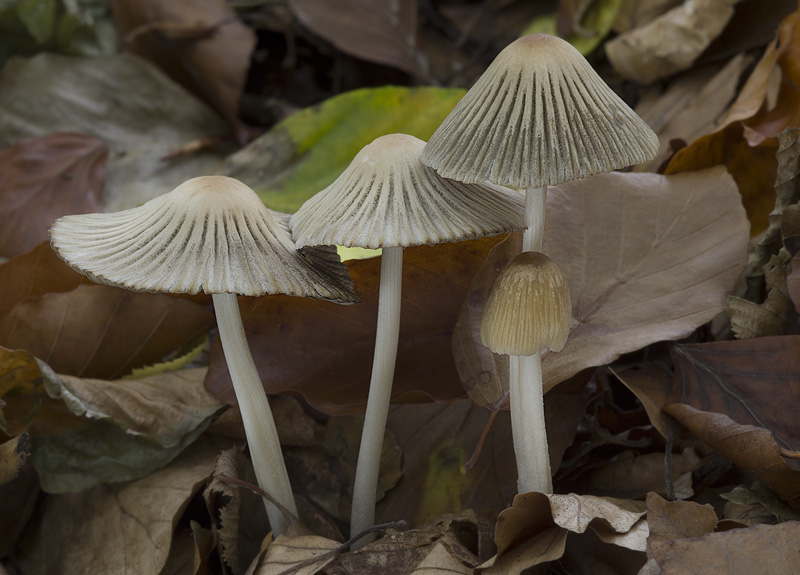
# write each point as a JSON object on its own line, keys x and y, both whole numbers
{"x": 388, "y": 198}
{"x": 539, "y": 115}
{"x": 210, "y": 234}
{"x": 529, "y": 308}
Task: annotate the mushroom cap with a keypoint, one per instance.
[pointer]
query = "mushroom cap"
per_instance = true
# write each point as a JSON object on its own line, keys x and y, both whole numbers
{"x": 539, "y": 116}
{"x": 529, "y": 308}
{"x": 387, "y": 197}
{"x": 210, "y": 234}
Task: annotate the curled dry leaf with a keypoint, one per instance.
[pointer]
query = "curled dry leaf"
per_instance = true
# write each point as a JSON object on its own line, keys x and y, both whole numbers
{"x": 101, "y": 331}
{"x": 201, "y": 44}
{"x": 123, "y": 101}
{"x": 647, "y": 258}
{"x": 42, "y": 179}
{"x": 760, "y": 550}
{"x": 323, "y": 351}
{"x": 671, "y": 42}
{"x": 366, "y": 29}
{"x": 124, "y": 528}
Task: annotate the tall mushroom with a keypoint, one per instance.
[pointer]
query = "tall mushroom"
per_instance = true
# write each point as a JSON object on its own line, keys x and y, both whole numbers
{"x": 528, "y": 311}
{"x": 539, "y": 116}
{"x": 386, "y": 198}
{"x": 211, "y": 234}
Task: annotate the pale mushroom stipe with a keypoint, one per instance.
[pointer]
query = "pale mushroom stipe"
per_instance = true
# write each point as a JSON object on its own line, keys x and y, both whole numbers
{"x": 211, "y": 234}
{"x": 539, "y": 116}
{"x": 387, "y": 198}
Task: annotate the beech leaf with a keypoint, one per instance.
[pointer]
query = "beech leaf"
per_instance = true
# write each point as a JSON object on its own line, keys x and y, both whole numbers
{"x": 42, "y": 179}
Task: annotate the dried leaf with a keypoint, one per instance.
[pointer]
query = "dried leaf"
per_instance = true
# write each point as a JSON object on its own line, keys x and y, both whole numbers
{"x": 651, "y": 384}
{"x": 18, "y": 500}
{"x": 201, "y": 44}
{"x": 760, "y": 550}
{"x": 685, "y": 31}
{"x": 305, "y": 555}
{"x": 761, "y": 495}
{"x": 306, "y": 152}
{"x": 133, "y": 520}
{"x": 42, "y": 179}
{"x": 440, "y": 560}
{"x": 752, "y": 449}
{"x": 678, "y": 519}
{"x": 652, "y": 259}
{"x": 151, "y": 117}
{"x": 101, "y": 331}
{"x": 636, "y": 13}
{"x": 33, "y": 274}
{"x": 13, "y": 455}
{"x": 323, "y": 351}
{"x": 748, "y": 381}
{"x": 749, "y": 319}
{"x": 366, "y": 29}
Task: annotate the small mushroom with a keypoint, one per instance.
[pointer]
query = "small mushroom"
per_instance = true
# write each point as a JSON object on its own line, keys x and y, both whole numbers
{"x": 528, "y": 312}
{"x": 211, "y": 234}
{"x": 386, "y": 198}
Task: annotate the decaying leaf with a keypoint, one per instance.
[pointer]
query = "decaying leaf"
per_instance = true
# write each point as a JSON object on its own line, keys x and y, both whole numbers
{"x": 760, "y": 550}
{"x": 123, "y": 101}
{"x": 13, "y": 455}
{"x": 42, "y": 179}
{"x": 298, "y": 555}
{"x": 133, "y": 520}
{"x": 202, "y": 45}
{"x": 760, "y": 495}
{"x": 669, "y": 43}
{"x": 101, "y": 331}
{"x": 678, "y": 519}
{"x": 306, "y": 152}
{"x": 323, "y": 351}
{"x": 366, "y": 29}
{"x": 647, "y": 258}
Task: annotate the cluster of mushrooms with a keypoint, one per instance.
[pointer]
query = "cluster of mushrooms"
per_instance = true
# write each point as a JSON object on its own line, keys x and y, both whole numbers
{"x": 538, "y": 116}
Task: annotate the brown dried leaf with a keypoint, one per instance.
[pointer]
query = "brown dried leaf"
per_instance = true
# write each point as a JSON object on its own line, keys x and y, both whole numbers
{"x": 101, "y": 331}
{"x": 651, "y": 384}
{"x": 671, "y": 42}
{"x": 752, "y": 449}
{"x": 200, "y": 44}
{"x": 636, "y": 13}
{"x": 760, "y": 550}
{"x": 13, "y": 455}
{"x": 305, "y": 555}
{"x": 367, "y": 29}
{"x": 323, "y": 351}
{"x": 17, "y": 503}
{"x": 134, "y": 521}
{"x": 647, "y": 258}
{"x": 42, "y": 179}
{"x": 748, "y": 381}
{"x": 678, "y": 519}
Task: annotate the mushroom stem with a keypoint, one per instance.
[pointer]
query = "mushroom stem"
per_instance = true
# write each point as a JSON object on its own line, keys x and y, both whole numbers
{"x": 535, "y": 207}
{"x": 525, "y": 378}
{"x": 527, "y": 424}
{"x": 380, "y": 392}
{"x": 259, "y": 426}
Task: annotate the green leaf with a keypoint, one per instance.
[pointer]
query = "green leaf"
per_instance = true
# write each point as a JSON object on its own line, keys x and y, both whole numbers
{"x": 598, "y": 18}
{"x": 39, "y": 17}
{"x": 307, "y": 151}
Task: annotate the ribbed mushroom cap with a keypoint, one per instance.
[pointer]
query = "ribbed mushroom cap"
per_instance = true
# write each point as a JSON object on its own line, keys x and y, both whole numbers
{"x": 529, "y": 308}
{"x": 387, "y": 197}
{"x": 539, "y": 115}
{"x": 210, "y": 234}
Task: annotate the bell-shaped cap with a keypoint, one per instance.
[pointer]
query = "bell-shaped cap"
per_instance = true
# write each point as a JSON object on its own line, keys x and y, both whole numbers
{"x": 210, "y": 234}
{"x": 539, "y": 116}
{"x": 387, "y": 197}
{"x": 529, "y": 308}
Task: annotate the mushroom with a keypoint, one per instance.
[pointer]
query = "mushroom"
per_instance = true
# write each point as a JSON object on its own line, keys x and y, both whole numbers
{"x": 386, "y": 198}
{"x": 211, "y": 234}
{"x": 527, "y": 312}
{"x": 539, "y": 116}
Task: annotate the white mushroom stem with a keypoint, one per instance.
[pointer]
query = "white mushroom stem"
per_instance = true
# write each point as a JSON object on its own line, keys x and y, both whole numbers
{"x": 259, "y": 426}
{"x": 527, "y": 424}
{"x": 535, "y": 207}
{"x": 525, "y": 378}
{"x": 380, "y": 392}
